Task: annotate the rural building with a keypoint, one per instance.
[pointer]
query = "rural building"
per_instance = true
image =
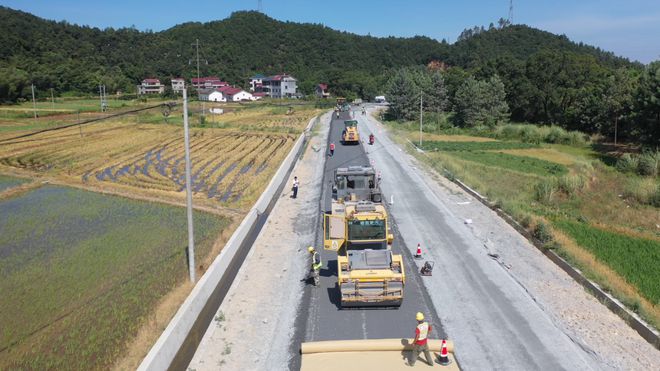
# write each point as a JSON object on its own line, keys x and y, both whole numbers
{"x": 278, "y": 86}
{"x": 151, "y": 86}
{"x": 178, "y": 84}
{"x": 233, "y": 94}
{"x": 322, "y": 91}
{"x": 256, "y": 82}
{"x": 257, "y": 96}
{"x": 211, "y": 95}
{"x": 209, "y": 82}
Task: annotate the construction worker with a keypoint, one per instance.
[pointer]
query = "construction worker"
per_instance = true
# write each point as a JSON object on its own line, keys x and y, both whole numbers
{"x": 420, "y": 342}
{"x": 316, "y": 264}
{"x": 295, "y": 187}
{"x": 332, "y": 149}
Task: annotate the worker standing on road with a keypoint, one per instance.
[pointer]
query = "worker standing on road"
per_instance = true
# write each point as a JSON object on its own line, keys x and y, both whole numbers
{"x": 316, "y": 265}
{"x": 295, "y": 187}
{"x": 420, "y": 343}
{"x": 332, "y": 149}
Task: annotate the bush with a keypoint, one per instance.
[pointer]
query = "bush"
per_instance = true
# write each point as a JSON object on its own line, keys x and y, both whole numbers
{"x": 648, "y": 164}
{"x": 627, "y": 163}
{"x": 545, "y": 190}
{"x": 643, "y": 190}
{"x": 555, "y": 134}
{"x": 576, "y": 138}
{"x": 542, "y": 232}
{"x": 570, "y": 184}
{"x": 530, "y": 134}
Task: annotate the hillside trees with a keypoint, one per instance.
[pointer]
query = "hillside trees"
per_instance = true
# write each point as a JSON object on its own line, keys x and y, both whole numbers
{"x": 647, "y": 104}
{"x": 481, "y": 102}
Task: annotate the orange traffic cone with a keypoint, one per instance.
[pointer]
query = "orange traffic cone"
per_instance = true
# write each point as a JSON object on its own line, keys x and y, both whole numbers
{"x": 443, "y": 359}
{"x": 418, "y": 254}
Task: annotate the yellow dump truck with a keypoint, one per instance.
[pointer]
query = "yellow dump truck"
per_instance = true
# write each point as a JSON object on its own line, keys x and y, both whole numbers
{"x": 369, "y": 274}
{"x": 350, "y": 134}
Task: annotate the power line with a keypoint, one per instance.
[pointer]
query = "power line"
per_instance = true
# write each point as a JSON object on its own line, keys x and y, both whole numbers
{"x": 170, "y": 104}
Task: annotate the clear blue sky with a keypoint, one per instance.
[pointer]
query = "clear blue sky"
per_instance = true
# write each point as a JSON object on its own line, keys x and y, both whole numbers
{"x": 630, "y": 28}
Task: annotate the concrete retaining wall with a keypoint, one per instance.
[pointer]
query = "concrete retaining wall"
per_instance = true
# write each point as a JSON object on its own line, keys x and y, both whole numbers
{"x": 176, "y": 345}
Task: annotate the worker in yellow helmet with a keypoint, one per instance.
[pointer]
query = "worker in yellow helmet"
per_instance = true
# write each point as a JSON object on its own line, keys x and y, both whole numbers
{"x": 316, "y": 265}
{"x": 420, "y": 343}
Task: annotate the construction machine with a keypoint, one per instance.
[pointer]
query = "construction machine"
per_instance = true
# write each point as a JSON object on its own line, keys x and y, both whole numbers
{"x": 350, "y": 133}
{"x": 356, "y": 183}
{"x": 369, "y": 274}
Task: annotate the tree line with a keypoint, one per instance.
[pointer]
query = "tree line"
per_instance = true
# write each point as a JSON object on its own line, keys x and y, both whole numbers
{"x": 547, "y": 79}
{"x": 564, "y": 89}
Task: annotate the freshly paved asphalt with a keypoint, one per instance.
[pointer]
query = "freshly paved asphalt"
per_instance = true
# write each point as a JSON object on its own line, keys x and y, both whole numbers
{"x": 321, "y": 317}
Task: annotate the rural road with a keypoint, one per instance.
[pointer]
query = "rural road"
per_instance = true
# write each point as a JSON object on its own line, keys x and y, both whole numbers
{"x": 516, "y": 312}
{"x": 320, "y": 317}
{"x": 494, "y": 322}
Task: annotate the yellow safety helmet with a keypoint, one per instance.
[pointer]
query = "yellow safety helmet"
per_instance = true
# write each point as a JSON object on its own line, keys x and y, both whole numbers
{"x": 310, "y": 249}
{"x": 420, "y": 316}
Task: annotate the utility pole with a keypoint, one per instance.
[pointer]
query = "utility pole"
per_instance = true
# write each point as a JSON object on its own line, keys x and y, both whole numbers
{"x": 421, "y": 116}
{"x": 510, "y": 12}
{"x": 197, "y": 53}
{"x": 34, "y": 103}
{"x": 52, "y": 98}
{"x": 191, "y": 239}
{"x": 101, "y": 97}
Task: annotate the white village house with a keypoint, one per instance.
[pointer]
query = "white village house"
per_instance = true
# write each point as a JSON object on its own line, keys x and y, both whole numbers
{"x": 211, "y": 95}
{"x": 235, "y": 94}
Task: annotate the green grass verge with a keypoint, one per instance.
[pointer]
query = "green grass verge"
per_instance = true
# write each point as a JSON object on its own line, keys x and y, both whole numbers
{"x": 475, "y": 146}
{"x": 635, "y": 259}
{"x": 511, "y": 162}
{"x": 81, "y": 271}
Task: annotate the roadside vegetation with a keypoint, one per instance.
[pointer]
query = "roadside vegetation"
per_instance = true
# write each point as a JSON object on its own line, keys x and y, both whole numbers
{"x": 597, "y": 210}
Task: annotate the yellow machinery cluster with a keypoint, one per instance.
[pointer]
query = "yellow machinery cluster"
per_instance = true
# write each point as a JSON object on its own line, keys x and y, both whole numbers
{"x": 369, "y": 274}
{"x": 350, "y": 134}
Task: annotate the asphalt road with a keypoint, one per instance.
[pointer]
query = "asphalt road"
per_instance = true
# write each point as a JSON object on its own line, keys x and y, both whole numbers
{"x": 320, "y": 317}
{"x": 494, "y": 322}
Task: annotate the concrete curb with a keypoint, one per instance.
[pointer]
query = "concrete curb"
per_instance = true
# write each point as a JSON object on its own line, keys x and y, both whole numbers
{"x": 176, "y": 345}
{"x": 632, "y": 319}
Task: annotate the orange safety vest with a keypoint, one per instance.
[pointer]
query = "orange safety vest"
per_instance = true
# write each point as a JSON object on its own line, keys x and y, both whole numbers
{"x": 423, "y": 329}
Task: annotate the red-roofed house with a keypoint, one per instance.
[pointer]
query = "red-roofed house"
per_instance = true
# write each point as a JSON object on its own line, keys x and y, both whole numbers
{"x": 210, "y": 82}
{"x": 322, "y": 90}
{"x": 235, "y": 94}
{"x": 151, "y": 86}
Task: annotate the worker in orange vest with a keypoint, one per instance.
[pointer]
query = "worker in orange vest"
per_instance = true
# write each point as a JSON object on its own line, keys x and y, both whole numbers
{"x": 420, "y": 343}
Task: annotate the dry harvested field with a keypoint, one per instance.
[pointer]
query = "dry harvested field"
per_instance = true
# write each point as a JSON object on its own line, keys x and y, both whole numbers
{"x": 231, "y": 165}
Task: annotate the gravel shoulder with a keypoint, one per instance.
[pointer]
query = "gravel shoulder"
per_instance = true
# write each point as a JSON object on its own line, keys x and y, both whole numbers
{"x": 594, "y": 336}
{"x": 255, "y": 323}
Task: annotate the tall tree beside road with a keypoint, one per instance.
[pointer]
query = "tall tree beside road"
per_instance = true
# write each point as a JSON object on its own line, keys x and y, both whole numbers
{"x": 481, "y": 102}
{"x": 401, "y": 91}
{"x": 436, "y": 95}
{"x": 647, "y": 103}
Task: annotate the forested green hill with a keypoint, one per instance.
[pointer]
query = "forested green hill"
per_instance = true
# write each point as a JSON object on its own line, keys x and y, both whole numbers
{"x": 68, "y": 57}
{"x": 547, "y": 78}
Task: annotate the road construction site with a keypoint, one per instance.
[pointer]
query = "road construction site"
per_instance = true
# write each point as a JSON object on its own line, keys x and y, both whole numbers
{"x": 501, "y": 302}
